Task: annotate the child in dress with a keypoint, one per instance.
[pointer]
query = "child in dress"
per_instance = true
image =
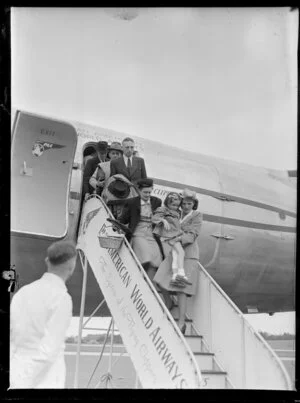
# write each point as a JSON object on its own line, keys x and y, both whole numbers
{"x": 167, "y": 226}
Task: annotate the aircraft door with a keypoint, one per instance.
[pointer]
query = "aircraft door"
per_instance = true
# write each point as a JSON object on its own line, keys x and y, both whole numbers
{"x": 42, "y": 158}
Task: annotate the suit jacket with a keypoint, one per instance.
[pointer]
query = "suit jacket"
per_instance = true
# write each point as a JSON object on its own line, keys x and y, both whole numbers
{"x": 138, "y": 169}
{"x": 89, "y": 169}
{"x": 132, "y": 211}
{"x": 191, "y": 229}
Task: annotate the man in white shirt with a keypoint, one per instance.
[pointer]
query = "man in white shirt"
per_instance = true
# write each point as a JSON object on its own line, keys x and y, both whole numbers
{"x": 40, "y": 314}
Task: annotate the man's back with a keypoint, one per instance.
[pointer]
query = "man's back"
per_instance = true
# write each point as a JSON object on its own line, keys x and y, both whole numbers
{"x": 40, "y": 316}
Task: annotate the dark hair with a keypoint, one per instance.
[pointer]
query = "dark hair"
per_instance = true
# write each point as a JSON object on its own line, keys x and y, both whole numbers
{"x": 127, "y": 139}
{"x": 171, "y": 196}
{"x": 88, "y": 151}
{"x": 196, "y": 203}
{"x": 60, "y": 252}
{"x": 144, "y": 183}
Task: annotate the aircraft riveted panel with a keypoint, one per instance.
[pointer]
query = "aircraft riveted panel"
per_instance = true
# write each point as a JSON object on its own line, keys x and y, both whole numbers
{"x": 42, "y": 158}
{"x": 256, "y": 248}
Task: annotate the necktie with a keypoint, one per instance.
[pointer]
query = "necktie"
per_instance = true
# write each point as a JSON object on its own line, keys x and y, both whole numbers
{"x": 129, "y": 166}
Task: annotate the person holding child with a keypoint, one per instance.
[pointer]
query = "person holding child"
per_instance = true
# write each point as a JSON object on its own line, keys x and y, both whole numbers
{"x": 190, "y": 224}
{"x": 102, "y": 172}
{"x": 137, "y": 213}
{"x": 167, "y": 227}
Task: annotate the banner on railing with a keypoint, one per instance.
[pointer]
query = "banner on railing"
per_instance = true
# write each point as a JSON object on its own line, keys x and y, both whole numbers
{"x": 158, "y": 351}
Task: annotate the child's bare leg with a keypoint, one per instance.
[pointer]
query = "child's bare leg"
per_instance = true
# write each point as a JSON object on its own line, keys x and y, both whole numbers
{"x": 180, "y": 258}
{"x": 174, "y": 263}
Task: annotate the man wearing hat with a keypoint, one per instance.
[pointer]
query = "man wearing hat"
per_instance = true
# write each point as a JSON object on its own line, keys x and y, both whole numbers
{"x": 137, "y": 213}
{"x": 116, "y": 193}
{"x": 91, "y": 165}
{"x": 102, "y": 172}
{"x": 133, "y": 168}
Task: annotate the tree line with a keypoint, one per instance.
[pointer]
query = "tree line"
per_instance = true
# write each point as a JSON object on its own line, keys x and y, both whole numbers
{"x": 91, "y": 339}
{"x": 284, "y": 336}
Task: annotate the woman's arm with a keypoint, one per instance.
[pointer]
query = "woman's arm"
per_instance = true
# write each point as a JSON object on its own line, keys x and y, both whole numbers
{"x": 192, "y": 230}
{"x": 159, "y": 217}
{"x": 98, "y": 178}
{"x": 93, "y": 179}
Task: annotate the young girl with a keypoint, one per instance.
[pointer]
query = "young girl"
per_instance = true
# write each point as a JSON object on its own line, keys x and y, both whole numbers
{"x": 167, "y": 220}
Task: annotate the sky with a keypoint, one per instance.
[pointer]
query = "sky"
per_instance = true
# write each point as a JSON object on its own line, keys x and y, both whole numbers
{"x": 218, "y": 81}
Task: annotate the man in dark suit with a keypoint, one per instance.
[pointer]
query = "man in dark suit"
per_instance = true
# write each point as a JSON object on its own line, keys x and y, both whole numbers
{"x": 133, "y": 168}
{"x": 137, "y": 213}
{"x": 91, "y": 165}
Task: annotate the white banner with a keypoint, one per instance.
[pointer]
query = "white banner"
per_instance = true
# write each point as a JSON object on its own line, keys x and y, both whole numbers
{"x": 157, "y": 348}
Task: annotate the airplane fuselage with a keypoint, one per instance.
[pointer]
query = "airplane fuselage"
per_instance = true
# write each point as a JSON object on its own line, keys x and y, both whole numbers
{"x": 247, "y": 240}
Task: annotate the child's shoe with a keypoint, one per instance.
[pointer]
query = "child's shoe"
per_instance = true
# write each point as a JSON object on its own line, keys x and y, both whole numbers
{"x": 181, "y": 273}
{"x": 182, "y": 276}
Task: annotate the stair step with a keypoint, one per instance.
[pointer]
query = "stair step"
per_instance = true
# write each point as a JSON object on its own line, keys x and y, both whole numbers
{"x": 214, "y": 379}
{"x": 186, "y": 319}
{"x": 189, "y": 329}
{"x": 205, "y": 361}
{"x": 195, "y": 342}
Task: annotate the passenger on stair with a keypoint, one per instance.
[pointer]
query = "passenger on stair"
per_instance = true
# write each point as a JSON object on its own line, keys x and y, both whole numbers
{"x": 102, "y": 172}
{"x": 89, "y": 152}
{"x": 191, "y": 221}
{"x": 116, "y": 193}
{"x": 138, "y": 213}
{"x": 167, "y": 220}
{"x": 91, "y": 165}
{"x": 133, "y": 168}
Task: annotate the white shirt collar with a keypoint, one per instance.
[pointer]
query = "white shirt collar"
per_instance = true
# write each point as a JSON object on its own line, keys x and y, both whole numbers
{"x": 55, "y": 279}
{"x": 186, "y": 216}
{"x": 126, "y": 159}
{"x": 143, "y": 203}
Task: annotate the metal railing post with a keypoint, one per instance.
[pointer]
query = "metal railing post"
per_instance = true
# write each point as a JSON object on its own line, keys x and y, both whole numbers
{"x": 111, "y": 352}
{"x": 210, "y": 317}
{"x": 244, "y": 353}
{"x": 82, "y": 306}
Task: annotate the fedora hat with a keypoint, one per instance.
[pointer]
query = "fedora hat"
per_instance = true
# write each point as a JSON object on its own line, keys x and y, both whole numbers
{"x": 102, "y": 146}
{"x": 188, "y": 194}
{"x": 119, "y": 189}
{"x": 115, "y": 146}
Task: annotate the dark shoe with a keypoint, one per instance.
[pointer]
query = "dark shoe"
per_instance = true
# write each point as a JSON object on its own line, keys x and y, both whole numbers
{"x": 178, "y": 284}
{"x": 183, "y": 329}
{"x": 171, "y": 305}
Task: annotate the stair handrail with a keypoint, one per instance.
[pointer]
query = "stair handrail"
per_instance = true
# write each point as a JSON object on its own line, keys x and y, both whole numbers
{"x": 152, "y": 289}
{"x": 246, "y": 324}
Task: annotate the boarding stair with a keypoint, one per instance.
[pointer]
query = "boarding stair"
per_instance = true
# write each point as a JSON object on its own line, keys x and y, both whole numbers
{"x": 220, "y": 348}
{"x": 158, "y": 350}
{"x": 213, "y": 376}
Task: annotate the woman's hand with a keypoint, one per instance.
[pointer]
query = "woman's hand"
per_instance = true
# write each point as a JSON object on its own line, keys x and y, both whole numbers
{"x": 174, "y": 240}
{"x": 100, "y": 184}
